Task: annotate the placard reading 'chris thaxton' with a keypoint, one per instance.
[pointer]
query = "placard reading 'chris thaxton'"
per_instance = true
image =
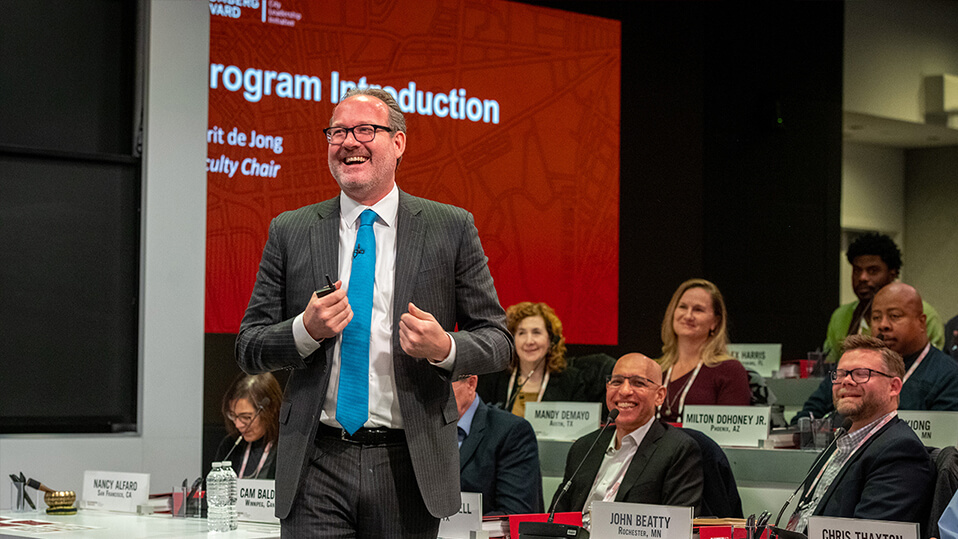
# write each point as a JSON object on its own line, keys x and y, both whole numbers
{"x": 854, "y": 528}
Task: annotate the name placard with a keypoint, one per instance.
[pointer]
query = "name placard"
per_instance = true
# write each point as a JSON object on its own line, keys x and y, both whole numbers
{"x": 854, "y": 528}
{"x": 256, "y": 501}
{"x": 617, "y": 519}
{"x": 557, "y": 420}
{"x": 468, "y": 519}
{"x": 729, "y": 425}
{"x": 934, "y": 429}
{"x": 114, "y": 491}
{"x": 761, "y": 358}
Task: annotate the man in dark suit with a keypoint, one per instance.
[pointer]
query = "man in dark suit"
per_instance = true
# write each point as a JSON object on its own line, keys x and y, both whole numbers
{"x": 879, "y": 470}
{"x": 367, "y": 444}
{"x": 498, "y": 455}
{"x": 641, "y": 460}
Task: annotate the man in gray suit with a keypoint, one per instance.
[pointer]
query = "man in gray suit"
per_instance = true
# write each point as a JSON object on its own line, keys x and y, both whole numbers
{"x": 395, "y": 473}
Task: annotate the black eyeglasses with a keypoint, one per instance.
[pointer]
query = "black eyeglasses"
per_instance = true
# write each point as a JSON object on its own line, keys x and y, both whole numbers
{"x": 859, "y": 376}
{"x": 638, "y": 382}
{"x": 242, "y": 419}
{"x": 362, "y": 133}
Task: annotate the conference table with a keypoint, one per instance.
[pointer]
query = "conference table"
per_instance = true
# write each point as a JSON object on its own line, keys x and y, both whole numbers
{"x": 111, "y": 525}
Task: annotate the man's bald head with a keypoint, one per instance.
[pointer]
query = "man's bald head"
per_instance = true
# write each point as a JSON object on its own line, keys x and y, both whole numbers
{"x": 635, "y": 390}
{"x": 898, "y": 318}
{"x": 641, "y": 363}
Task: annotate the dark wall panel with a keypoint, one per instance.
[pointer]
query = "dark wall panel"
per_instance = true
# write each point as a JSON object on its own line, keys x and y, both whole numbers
{"x": 68, "y": 290}
{"x": 68, "y": 75}
{"x": 69, "y": 217}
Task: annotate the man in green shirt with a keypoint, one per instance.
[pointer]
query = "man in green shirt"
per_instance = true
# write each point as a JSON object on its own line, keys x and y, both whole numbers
{"x": 875, "y": 261}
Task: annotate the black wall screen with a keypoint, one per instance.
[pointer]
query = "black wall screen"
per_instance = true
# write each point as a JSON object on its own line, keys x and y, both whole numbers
{"x": 69, "y": 217}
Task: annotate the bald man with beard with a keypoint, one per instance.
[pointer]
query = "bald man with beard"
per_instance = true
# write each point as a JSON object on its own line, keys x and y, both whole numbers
{"x": 931, "y": 376}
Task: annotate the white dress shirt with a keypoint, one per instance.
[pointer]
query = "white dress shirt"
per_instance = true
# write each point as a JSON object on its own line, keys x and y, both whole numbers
{"x": 615, "y": 464}
{"x": 383, "y": 404}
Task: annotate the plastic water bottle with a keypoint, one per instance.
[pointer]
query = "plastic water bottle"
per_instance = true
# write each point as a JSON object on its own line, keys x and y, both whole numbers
{"x": 221, "y": 497}
{"x": 232, "y": 494}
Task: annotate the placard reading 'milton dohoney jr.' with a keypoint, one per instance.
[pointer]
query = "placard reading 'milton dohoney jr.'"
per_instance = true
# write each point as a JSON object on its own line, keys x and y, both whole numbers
{"x": 729, "y": 425}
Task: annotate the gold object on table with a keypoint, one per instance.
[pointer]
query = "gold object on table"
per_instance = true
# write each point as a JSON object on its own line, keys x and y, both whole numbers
{"x": 60, "y": 502}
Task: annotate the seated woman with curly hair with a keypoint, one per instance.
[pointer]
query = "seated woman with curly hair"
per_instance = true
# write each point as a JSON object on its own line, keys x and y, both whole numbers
{"x": 538, "y": 371}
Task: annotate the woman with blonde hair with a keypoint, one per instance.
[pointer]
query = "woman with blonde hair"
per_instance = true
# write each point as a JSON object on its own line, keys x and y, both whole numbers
{"x": 538, "y": 371}
{"x": 695, "y": 359}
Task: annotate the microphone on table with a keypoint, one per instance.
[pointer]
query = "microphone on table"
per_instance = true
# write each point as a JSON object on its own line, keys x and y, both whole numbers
{"x": 612, "y": 415}
{"x": 847, "y": 424}
{"x": 242, "y": 432}
{"x": 530, "y": 530}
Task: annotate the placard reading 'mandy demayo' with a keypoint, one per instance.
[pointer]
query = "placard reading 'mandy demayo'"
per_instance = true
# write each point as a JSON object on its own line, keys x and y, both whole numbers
{"x": 761, "y": 358}
{"x": 558, "y": 420}
{"x": 115, "y": 491}
{"x": 617, "y": 519}
{"x": 729, "y": 425}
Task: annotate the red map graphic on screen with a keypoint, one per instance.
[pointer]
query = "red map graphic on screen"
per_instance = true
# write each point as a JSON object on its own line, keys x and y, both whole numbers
{"x": 512, "y": 114}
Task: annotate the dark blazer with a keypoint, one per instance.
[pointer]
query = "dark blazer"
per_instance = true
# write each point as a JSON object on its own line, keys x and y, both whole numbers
{"x": 889, "y": 478}
{"x": 666, "y": 470}
{"x": 563, "y": 386}
{"x": 440, "y": 266}
{"x": 500, "y": 459}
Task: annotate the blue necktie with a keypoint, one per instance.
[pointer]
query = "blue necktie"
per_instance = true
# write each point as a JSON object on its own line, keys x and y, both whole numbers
{"x": 352, "y": 403}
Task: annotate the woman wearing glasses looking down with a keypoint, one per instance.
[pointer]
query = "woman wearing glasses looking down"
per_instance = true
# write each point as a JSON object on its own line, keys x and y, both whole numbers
{"x": 251, "y": 412}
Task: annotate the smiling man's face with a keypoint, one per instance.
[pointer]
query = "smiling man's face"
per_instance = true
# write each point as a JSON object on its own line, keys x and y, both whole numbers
{"x": 365, "y": 171}
{"x": 636, "y": 403}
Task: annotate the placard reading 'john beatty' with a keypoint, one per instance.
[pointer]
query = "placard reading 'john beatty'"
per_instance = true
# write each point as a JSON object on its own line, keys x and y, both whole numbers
{"x": 616, "y": 519}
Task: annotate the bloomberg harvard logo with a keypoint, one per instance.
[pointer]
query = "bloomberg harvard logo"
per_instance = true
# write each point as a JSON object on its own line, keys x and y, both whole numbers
{"x": 268, "y": 11}
{"x": 231, "y": 8}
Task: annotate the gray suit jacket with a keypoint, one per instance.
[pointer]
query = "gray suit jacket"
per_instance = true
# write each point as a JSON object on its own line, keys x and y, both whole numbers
{"x": 440, "y": 266}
